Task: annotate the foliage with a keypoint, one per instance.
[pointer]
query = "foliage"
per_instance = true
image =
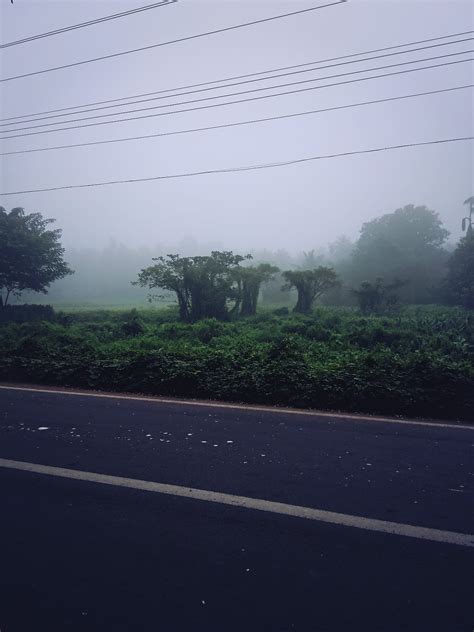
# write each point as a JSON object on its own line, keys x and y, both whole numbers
{"x": 133, "y": 324}
{"x": 418, "y": 362}
{"x": 460, "y": 279}
{"x": 31, "y": 257}
{"x": 405, "y": 244}
{"x": 310, "y": 285}
{"x": 249, "y": 281}
{"x": 27, "y": 313}
{"x": 203, "y": 285}
{"x": 373, "y": 298}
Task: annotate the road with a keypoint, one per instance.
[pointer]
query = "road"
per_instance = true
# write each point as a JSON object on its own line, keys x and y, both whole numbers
{"x": 115, "y": 554}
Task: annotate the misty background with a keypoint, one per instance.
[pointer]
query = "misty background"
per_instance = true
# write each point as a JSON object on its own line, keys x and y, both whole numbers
{"x": 111, "y": 232}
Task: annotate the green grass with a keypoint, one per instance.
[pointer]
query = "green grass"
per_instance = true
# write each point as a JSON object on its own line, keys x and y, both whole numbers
{"x": 418, "y": 362}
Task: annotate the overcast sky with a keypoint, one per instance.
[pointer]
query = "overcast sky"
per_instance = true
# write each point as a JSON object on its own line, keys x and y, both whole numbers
{"x": 294, "y": 207}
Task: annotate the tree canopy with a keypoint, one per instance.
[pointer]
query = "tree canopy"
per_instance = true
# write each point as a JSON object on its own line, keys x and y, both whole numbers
{"x": 31, "y": 256}
{"x": 310, "y": 285}
{"x": 405, "y": 244}
{"x": 203, "y": 285}
{"x": 249, "y": 280}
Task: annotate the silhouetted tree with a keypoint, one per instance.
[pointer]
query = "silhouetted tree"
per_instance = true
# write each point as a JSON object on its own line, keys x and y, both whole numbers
{"x": 249, "y": 281}
{"x": 405, "y": 244}
{"x": 310, "y": 285}
{"x": 203, "y": 285}
{"x": 31, "y": 257}
{"x": 373, "y": 297}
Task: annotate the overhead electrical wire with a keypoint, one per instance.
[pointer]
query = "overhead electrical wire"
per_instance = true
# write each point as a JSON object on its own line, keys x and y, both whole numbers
{"x": 230, "y": 85}
{"x": 214, "y": 105}
{"x": 233, "y": 94}
{"x": 270, "y": 165}
{"x": 240, "y": 123}
{"x": 245, "y": 76}
{"x": 169, "y": 42}
{"x": 82, "y": 25}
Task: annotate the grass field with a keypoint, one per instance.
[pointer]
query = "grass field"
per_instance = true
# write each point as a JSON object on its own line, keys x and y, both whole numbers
{"x": 418, "y": 362}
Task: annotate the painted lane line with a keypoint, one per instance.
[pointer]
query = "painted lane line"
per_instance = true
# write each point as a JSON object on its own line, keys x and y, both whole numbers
{"x": 249, "y": 407}
{"x": 308, "y": 513}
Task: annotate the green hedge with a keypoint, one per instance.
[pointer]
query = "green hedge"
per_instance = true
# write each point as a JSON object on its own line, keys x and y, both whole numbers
{"x": 419, "y": 363}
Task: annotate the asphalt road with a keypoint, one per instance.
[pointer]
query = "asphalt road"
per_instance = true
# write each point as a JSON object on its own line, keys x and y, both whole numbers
{"x": 80, "y": 555}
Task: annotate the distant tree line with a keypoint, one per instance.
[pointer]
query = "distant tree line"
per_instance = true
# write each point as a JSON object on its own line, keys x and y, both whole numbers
{"x": 400, "y": 257}
{"x": 218, "y": 286}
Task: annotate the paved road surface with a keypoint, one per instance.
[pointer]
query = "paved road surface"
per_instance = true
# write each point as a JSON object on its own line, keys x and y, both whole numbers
{"x": 81, "y": 555}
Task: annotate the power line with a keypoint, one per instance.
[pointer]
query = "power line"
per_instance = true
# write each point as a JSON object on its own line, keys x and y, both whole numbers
{"x": 175, "y": 41}
{"x": 229, "y": 85}
{"x": 82, "y": 25}
{"x": 253, "y": 74}
{"x": 240, "y": 123}
{"x": 214, "y": 105}
{"x": 239, "y": 169}
{"x": 233, "y": 94}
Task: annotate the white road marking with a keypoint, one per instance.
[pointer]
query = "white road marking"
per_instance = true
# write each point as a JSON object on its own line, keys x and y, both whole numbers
{"x": 319, "y": 515}
{"x": 249, "y": 407}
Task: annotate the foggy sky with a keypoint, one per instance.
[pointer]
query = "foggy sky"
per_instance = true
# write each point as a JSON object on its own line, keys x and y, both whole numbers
{"x": 295, "y": 207}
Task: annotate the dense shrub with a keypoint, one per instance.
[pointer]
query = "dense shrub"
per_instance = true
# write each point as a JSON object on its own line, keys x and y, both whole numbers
{"x": 26, "y": 313}
{"x": 419, "y": 362}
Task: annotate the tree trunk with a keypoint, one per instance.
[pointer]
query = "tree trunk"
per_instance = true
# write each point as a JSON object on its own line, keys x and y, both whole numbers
{"x": 250, "y": 292}
{"x": 304, "y": 302}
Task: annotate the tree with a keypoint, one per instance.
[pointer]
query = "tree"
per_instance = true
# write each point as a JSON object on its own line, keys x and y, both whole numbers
{"x": 31, "y": 257}
{"x": 203, "y": 285}
{"x": 460, "y": 279}
{"x": 373, "y": 297}
{"x": 249, "y": 281}
{"x": 404, "y": 244}
{"x": 310, "y": 285}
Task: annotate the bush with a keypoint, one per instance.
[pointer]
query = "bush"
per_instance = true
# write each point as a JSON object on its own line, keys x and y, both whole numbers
{"x": 418, "y": 363}
{"x": 133, "y": 325}
{"x": 26, "y": 313}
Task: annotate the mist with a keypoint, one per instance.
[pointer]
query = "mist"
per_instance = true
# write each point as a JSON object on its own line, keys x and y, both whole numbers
{"x": 297, "y": 207}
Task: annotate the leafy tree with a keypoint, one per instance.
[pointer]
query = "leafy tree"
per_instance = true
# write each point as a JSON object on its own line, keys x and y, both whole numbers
{"x": 249, "y": 281}
{"x": 203, "y": 285}
{"x": 460, "y": 279}
{"x": 373, "y": 297}
{"x": 310, "y": 285}
{"x": 404, "y": 244}
{"x": 31, "y": 257}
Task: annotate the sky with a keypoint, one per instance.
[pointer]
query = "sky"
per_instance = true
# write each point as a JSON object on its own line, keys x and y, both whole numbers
{"x": 296, "y": 207}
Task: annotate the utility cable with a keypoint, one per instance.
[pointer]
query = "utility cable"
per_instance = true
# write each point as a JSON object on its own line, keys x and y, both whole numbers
{"x": 240, "y": 123}
{"x": 82, "y": 25}
{"x": 228, "y": 85}
{"x": 167, "y": 43}
{"x": 245, "y": 76}
{"x": 270, "y": 165}
{"x": 234, "y": 94}
{"x": 215, "y": 105}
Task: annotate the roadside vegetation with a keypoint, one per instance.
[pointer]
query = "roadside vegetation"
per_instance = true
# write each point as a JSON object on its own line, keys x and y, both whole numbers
{"x": 354, "y": 329}
{"x": 418, "y": 362}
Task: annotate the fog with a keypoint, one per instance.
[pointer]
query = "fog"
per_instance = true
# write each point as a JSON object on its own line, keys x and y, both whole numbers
{"x": 297, "y": 207}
